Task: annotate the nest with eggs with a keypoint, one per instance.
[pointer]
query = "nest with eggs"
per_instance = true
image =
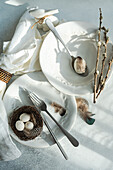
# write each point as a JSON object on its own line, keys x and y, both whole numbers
{"x": 35, "y": 118}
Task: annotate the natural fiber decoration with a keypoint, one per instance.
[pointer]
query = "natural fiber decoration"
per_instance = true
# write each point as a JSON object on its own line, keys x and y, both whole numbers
{"x": 82, "y": 107}
{"x": 99, "y": 85}
{"x": 5, "y": 76}
{"x": 35, "y": 118}
{"x": 98, "y": 53}
{"x": 104, "y": 80}
{"x": 40, "y": 21}
{"x": 100, "y": 82}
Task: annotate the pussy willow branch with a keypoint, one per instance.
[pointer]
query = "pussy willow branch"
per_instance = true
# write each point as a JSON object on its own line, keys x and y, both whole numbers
{"x": 98, "y": 52}
{"x": 106, "y": 39}
{"x": 104, "y": 80}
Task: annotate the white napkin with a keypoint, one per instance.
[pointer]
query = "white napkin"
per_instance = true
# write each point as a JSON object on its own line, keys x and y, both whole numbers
{"x": 19, "y": 56}
{"x": 2, "y": 88}
{"x": 8, "y": 150}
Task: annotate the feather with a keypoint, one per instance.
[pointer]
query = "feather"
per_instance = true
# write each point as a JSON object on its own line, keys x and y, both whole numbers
{"x": 82, "y": 107}
{"x": 82, "y": 104}
{"x": 58, "y": 108}
{"x": 87, "y": 117}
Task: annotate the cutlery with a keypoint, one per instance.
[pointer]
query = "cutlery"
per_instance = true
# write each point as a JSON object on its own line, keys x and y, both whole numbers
{"x": 43, "y": 107}
{"x": 53, "y": 29}
{"x": 50, "y": 130}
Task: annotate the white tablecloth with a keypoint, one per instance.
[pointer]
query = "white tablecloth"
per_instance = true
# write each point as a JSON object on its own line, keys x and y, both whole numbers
{"x": 96, "y": 142}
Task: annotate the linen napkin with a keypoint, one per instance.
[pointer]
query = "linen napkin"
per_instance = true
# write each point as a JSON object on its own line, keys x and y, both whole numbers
{"x": 2, "y": 88}
{"x": 20, "y": 55}
{"x": 8, "y": 150}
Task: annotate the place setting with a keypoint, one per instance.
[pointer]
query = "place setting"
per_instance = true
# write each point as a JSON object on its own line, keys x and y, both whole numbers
{"x": 38, "y": 84}
{"x": 61, "y": 63}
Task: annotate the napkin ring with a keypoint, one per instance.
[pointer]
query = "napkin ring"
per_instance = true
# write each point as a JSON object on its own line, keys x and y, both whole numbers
{"x": 5, "y": 76}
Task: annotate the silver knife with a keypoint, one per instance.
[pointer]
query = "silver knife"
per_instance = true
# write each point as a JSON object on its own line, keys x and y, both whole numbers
{"x": 50, "y": 130}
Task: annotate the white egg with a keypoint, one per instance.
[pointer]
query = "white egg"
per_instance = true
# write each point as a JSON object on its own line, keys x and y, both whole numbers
{"x": 24, "y": 117}
{"x": 19, "y": 125}
{"x": 29, "y": 125}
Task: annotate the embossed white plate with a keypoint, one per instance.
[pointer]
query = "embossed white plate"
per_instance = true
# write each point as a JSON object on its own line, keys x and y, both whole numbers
{"x": 15, "y": 97}
{"x": 80, "y": 38}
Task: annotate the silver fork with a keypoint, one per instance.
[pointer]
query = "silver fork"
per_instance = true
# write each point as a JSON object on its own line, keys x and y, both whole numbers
{"x": 50, "y": 130}
{"x": 43, "y": 107}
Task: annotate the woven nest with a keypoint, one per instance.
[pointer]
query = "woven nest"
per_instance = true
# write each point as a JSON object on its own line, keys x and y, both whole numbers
{"x": 35, "y": 117}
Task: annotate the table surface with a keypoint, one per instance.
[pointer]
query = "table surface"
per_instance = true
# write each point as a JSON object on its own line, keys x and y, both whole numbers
{"x": 95, "y": 151}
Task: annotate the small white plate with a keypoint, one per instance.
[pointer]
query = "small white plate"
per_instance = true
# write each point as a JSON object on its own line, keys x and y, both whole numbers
{"x": 15, "y": 97}
{"x": 79, "y": 37}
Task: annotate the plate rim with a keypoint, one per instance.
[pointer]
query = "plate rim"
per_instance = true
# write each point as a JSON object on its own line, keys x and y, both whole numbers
{"x": 24, "y": 142}
{"x": 60, "y": 89}
{"x": 88, "y": 85}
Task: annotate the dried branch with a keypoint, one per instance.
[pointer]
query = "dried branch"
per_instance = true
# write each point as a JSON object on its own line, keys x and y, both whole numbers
{"x": 104, "y": 80}
{"x": 104, "y": 59}
{"x": 98, "y": 52}
{"x": 101, "y": 18}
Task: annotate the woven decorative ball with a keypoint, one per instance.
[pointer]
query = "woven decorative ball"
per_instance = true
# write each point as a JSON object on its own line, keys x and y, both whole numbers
{"x": 5, "y": 76}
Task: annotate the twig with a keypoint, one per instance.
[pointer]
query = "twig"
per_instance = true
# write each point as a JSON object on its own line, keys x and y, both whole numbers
{"x": 98, "y": 52}
{"x": 104, "y": 80}
{"x": 105, "y": 56}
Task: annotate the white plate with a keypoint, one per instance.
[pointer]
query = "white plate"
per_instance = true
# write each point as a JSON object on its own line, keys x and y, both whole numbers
{"x": 79, "y": 37}
{"x": 15, "y": 97}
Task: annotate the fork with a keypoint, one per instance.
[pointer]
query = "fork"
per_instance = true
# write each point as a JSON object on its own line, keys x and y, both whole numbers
{"x": 43, "y": 107}
{"x": 50, "y": 130}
